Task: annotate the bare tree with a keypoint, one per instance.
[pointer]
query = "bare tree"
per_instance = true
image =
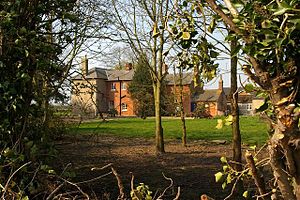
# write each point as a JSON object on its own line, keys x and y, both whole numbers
{"x": 142, "y": 25}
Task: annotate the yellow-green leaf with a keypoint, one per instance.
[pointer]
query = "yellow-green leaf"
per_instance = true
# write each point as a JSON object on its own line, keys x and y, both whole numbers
{"x": 218, "y": 176}
{"x": 186, "y": 35}
{"x": 223, "y": 159}
{"x": 219, "y": 124}
{"x": 246, "y": 194}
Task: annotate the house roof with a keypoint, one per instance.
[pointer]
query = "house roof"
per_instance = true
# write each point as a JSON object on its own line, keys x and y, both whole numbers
{"x": 187, "y": 78}
{"x": 106, "y": 74}
{"x": 114, "y": 75}
{"x": 207, "y": 95}
{"x": 94, "y": 73}
{"x": 124, "y": 75}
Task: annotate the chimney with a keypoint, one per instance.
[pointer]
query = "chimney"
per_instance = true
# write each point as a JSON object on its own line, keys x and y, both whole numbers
{"x": 165, "y": 68}
{"x": 128, "y": 66}
{"x": 221, "y": 83}
{"x": 84, "y": 65}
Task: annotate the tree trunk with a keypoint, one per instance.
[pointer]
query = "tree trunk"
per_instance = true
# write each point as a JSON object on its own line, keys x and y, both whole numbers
{"x": 236, "y": 135}
{"x": 182, "y": 117}
{"x": 159, "y": 136}
{"x": 284, "y": 151}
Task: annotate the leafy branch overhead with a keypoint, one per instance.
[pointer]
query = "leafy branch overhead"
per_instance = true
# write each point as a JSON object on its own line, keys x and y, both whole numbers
{"x": 268, "y": 34}
{"x": 196, "y": 52}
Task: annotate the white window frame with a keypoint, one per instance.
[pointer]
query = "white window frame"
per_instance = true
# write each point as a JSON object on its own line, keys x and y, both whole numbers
{"x": 113, "y": 86}
{"x": 123, "y": 86}
{"x": 249, "y": 106}
{"x": 124, "y": 107}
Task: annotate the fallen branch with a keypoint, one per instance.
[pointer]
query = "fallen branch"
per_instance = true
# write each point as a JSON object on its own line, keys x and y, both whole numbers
{"x": 258, "y": 180}
{"x": 122, "y": 195}
{"x": 78, "y": 188}
{"x": 9, "y": 179}
{"x": 54, "y": 191}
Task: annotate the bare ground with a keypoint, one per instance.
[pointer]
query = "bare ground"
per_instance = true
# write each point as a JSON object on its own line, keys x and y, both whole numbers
{"x": 192, "y": 167}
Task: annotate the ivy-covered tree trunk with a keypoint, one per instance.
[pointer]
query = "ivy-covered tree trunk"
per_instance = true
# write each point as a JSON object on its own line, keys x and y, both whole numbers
{"x": 272, "y": 47}
{"x": 284, "y": 146}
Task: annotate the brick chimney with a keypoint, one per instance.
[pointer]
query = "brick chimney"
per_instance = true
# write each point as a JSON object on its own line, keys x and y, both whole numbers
{"x": 128, "y": 66}
{"x": 84, "y": 65}
{"x": 220, "y": 83}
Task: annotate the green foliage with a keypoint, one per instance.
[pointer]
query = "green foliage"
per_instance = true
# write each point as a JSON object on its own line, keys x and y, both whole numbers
{"x": 141, "y": 89}
{"x": 201, "y": 111}
{"x": 229, "y": 176}
{"x": 274, "y": 29}
{"x": 141, "y": 192}
{"x": 196, "y": 51}
{"x": 31, "y": 72}
{"x": 227, "y": 122}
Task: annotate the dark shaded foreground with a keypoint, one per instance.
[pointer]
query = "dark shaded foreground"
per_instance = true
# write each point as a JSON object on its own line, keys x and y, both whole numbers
{"x": 192, "y": 168}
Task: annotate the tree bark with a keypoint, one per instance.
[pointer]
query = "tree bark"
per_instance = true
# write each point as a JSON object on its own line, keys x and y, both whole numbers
{"x": 284, "y": 143}
{"x": 258, "y": 179}
{"x": 283, "y": 90}
{"x": 236, "y": 134}
{"x": 182, "y": 117}
{"x": 159, "y": 136}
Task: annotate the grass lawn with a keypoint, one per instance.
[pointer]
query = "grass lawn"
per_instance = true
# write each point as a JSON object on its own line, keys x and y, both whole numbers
{"x": 253, "y": 130}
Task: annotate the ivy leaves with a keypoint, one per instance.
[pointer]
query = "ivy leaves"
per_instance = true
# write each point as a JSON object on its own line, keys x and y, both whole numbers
{"x": 195, "y": 51}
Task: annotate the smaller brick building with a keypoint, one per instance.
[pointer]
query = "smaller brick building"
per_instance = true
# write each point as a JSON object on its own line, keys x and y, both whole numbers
{"x": 214, "y": 100}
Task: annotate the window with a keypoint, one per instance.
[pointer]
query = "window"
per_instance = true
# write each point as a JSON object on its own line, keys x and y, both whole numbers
{"x": 249, "y": 106}
{"x": 113, "y": 86}
{"x": 111, "y": 105}
{"x": 123, "y": 86}
{"x": 124, "y": 107}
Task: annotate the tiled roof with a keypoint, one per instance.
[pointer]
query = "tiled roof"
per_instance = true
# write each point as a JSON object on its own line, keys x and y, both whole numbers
{"x": 124, "y": 75}
{"x": 113, "y": 75}
{"x": 93, "y": 73}
{"x": 187, "y": 78}
{"x": 107, "y": 74}
{"x": 207, "y": 96}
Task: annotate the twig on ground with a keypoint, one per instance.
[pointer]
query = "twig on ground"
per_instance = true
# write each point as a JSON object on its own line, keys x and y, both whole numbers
{"x": 178, "y": 194}
{"x": 120, "y": 185}
{"x": 54, "y": 191}
{"x": 234, "y": 185}
{"x": 78, "y": 188}
{"x": 104, "y": 167}
{"x": 66, "y": 167}
{"x": 9, "y": 179}
{"x": 94, "y": 179}
{"x": 132, "y": 184}
{"x": 171, "y": 184}
{"x": 263, "y": 195}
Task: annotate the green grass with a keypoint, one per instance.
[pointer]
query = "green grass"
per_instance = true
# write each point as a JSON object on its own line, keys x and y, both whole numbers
{"x": 253, "y": 130}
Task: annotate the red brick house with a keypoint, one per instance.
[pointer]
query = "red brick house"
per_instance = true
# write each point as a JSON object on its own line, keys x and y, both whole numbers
{"x": 102, "y": 90}
{"x": 214, "y": 100}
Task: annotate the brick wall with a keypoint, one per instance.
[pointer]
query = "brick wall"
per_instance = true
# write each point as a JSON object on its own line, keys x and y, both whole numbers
{"x": 114, "y": 96}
